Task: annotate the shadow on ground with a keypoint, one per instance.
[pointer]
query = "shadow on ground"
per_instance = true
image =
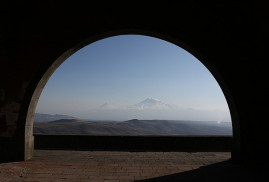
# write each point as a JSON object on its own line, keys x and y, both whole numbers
{"x": 218, "y": 172}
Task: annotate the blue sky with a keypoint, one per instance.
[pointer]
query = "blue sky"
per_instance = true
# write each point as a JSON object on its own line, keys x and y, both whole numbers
{"x": 124, "y": 70}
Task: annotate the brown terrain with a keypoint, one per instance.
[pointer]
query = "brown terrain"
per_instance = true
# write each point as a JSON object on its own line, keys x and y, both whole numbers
{"x": 132, "y": 127}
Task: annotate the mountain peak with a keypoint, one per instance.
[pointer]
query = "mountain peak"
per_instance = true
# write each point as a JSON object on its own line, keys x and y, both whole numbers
{"x": 152, "y": 103}
{"x": 152, "y": 99}
{"x": 107, "y": 105}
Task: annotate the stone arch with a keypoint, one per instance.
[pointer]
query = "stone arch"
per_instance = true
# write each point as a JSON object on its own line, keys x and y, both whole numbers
{"x": 58, "y": 57}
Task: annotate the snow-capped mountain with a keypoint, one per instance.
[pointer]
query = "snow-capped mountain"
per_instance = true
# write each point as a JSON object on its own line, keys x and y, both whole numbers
{"x": 151, "y": 108}
{"x": 153, "y": 104}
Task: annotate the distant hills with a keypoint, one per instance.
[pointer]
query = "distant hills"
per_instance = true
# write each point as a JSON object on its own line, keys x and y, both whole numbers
{"x": 39, "y": 117}
{"x": 133, "y": 127}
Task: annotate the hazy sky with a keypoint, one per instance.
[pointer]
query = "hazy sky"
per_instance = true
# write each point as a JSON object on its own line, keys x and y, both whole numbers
{"x": 125, "y": 70}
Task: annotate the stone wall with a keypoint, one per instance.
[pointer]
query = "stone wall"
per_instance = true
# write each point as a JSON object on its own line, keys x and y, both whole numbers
{"x": 231, "y": 40}
{"x": 134, "y": 143}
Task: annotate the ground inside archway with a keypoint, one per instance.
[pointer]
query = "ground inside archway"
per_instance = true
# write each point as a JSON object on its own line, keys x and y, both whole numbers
{"x": 59, "y": 165}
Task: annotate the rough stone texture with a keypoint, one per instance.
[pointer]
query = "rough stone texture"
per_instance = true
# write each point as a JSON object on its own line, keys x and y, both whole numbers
{"x": 78, "y": 166}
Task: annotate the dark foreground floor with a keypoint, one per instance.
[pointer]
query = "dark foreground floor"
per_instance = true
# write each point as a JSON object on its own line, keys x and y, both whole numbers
{"x": 115, "y": 166}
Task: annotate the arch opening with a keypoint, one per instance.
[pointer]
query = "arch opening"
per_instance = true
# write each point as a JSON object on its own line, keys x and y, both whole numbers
{"x": 65, "y": 56}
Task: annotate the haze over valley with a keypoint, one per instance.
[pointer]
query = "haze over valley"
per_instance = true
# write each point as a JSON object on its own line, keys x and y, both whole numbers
{"x": 148, "y": 109}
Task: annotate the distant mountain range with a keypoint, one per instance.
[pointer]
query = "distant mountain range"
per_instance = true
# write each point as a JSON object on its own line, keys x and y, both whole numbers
{"x": 147, "y": 109}
{"x": 151, "y": 108}
{"x": 133, "y": 127}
